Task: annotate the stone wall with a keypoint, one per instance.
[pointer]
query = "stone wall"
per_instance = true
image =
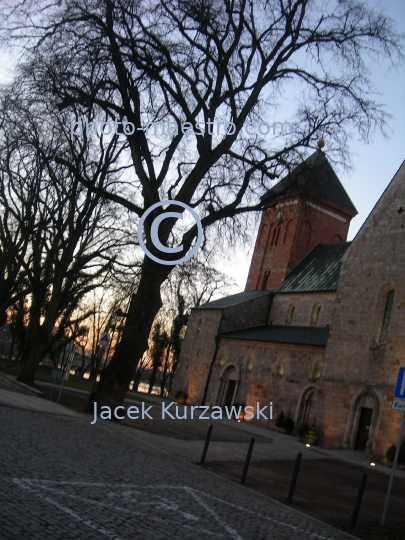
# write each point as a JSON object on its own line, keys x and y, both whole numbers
{"x": 197, "y": 352}
{"x": 359, "y": 372}
{"x": 264, "y": 372}
{"x": 199, "y": 345}
{"x": 304, "y": 304}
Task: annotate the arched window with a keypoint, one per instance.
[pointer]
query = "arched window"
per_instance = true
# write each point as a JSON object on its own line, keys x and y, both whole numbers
{"x": 386, "y": 318}
{"x": 288, "y": 232}
{"x": 280, "y": 367}
{"x": 249, "y": 362}
{"x": 265, "y": 280}
{"x": 221, "y": 359}
{"x": 290, "y": 314}
{"x": 316, "y": 311}
{"x": 262, "y": 238}
{"x": 276, "y": 235}
{"x": 317, "y": 372}
{"x": 306, "y": 231}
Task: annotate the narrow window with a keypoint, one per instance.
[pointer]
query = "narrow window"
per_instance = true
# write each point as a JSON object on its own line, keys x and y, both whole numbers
{"x": 265, "y": 280}
{"x": 278, "y": 230}
{"x": 317, "y": 372}
{"x": 316, "y": 311}
{"x": 280, "y": 367}
{"x": 276, "y": 235}
{"x": 290, "y": 314}
{"x": 221, "y": 359}
{"x": 386, "y": 318}
{"x": 199, "y": 325}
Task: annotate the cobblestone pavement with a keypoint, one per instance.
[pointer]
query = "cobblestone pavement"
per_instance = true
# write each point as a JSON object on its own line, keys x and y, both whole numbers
{"x": 62, "y": 478}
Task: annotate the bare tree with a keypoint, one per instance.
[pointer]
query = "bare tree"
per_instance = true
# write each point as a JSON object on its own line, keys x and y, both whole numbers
{"x": 68, "y": 232}
{"x": 196, "y": 66}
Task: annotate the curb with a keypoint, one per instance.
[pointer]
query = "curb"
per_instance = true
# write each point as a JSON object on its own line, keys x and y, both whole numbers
{"x": 11, "y": 382}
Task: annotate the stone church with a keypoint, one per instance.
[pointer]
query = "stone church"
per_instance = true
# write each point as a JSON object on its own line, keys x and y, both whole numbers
{"x": 320, "y": 327}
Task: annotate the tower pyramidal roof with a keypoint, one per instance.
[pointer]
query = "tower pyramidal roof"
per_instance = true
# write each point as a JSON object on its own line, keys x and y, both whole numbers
{"x": 315, "y": 176}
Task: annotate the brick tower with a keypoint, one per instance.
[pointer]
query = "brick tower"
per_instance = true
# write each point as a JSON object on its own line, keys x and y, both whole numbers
{"x": 307, "y": 207}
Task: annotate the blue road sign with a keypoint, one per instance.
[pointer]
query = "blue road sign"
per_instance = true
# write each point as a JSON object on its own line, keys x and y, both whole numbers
{"x": 399, "y": 391}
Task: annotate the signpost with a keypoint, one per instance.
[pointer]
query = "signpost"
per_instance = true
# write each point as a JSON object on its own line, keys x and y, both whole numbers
{"x": 398, "y": 404}
{"x": 399, "y": 391}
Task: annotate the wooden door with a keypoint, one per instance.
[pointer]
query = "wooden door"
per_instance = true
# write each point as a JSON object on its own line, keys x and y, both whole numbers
{"x": 363, "y": 429}
{"x": 229, "y": 393}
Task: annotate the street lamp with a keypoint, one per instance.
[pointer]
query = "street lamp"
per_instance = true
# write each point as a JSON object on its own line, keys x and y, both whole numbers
{"x": 102, "y": 345}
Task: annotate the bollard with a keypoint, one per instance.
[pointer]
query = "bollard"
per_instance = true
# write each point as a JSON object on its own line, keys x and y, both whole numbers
{"x": 294, "y": 477}
{"x": 358, "y": 501}
{"x": 248, "y": 456}
{"x": 207, "y": 442}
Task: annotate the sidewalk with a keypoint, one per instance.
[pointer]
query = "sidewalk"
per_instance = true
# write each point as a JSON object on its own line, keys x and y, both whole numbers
{"x": 12, "y": 398}
{"x": 270, "y": 444}
{"x": 138, "y": 468}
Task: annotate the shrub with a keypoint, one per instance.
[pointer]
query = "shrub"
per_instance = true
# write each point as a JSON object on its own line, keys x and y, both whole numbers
{"x": 309, "y": 431}
{"x": 280, "y": 419}
{"x": 181, "y": 395}
{"x": 285, "y": 421}
{"x": 289, "y": 423}
{"x": 390, "y": 453}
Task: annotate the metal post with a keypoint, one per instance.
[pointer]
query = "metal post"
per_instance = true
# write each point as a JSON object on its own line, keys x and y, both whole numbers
{"x": 294, "y": 477}
{"x": 53, "y": 384}
{"x": 207, "y": 442}
{"x": 248, "y": 456}
{"x": 61, "y": 386}
{"x": 358, "y": 501}
{"x": 394, "y": 466}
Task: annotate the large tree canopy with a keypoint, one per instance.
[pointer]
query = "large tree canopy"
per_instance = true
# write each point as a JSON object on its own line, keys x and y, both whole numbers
{"x": 207, "y": 71}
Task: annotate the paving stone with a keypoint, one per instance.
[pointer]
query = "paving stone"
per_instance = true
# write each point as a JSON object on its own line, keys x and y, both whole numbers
{"x": 64, "y": 479}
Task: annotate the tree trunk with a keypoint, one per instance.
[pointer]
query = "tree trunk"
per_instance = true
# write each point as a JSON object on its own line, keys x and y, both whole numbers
{"x": 165, "y": 368}
{"x": 33, "y": 355}
{"x": 142, "y": 311}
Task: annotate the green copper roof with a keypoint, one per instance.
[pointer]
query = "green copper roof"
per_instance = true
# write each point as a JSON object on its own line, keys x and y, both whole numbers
{"x": 315, "y": 176}
{"x": 319, "y": 271}
{"x": 298, "y": 335}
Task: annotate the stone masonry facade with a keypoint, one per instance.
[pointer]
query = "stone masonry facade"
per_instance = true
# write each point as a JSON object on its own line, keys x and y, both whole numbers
{"x": 327, "y": 354}
{"x": 359, "y": 370}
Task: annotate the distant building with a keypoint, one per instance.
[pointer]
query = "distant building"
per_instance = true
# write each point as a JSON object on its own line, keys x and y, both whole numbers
{"x": 320, "y": 328}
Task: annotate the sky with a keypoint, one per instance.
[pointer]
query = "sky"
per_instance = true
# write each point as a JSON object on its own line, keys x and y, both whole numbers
{"x": 373, "y": 164}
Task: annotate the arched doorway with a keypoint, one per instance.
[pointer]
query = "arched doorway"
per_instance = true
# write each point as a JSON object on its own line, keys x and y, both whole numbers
{"x": 305, "y": 406}
{"x": 365, "y": 415}
{"x": 228, "y": 386}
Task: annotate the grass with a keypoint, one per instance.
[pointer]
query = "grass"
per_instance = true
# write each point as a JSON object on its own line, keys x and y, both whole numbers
{"x": 44, "y": 374}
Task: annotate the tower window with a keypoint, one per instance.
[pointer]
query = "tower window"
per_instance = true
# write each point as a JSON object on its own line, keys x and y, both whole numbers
{"x": 386, "y": 318}
{"x": 276, "y": 235}
{"x": 290, "y": 314}
{"x": 265, "y": 280}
